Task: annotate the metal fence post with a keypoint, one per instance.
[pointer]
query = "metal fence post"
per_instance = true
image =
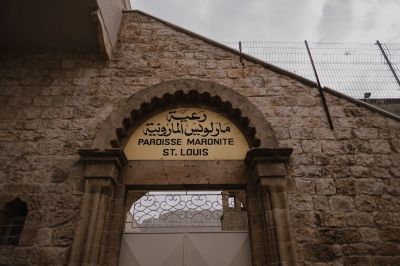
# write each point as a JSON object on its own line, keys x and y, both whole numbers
{"x": 388, "y": 62}
{"x": 321, "y": 93}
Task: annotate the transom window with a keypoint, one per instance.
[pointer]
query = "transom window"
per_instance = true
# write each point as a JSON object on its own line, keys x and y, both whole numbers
{"x": 171, "y": 211}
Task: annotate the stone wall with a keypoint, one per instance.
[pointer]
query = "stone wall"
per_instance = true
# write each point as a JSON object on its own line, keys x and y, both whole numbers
{"x": 344, "y": 191}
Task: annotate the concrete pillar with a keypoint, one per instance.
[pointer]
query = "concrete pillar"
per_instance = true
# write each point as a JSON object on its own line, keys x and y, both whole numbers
{"x": 270, "y": 230}
{"x": 102, "y": 169}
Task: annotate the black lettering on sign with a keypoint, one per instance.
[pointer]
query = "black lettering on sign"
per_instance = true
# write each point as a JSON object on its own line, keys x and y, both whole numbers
{"x": 194, "y": 152}
{"x": 211, "y": 142}
{"x": 169, "y": 152}
{"x": 179, "y": 122}
{"x": 160, "y": 142}
{"x": 165, "y": 152}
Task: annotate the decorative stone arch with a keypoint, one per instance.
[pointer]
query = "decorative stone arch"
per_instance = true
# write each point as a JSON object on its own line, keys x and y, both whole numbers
{"x": 212, "y": 95}
{"x": 108, "y": 172}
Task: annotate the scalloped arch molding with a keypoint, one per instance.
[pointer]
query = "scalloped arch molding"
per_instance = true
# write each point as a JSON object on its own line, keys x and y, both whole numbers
{"x": 129, "y": 113}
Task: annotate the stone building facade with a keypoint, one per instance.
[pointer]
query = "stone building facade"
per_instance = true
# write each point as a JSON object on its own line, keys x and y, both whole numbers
{"x": 316, "y": 196}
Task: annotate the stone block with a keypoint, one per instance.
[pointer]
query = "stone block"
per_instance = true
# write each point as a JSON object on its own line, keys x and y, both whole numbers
{"x": 381, "y": 172}
{"x": 341, "y": 203}
{"x": 365, "y": 203}
{"x": 318, "y": 253}
{"x": 395, "y": 144}
{"x": 356, "y": 146}
{"x": 388, "y": 203}
{"x": 81, "y": 81}
{"x": 356, "y": 261}
{"x": 369, "y": 186}
{"x": 44, "y": 237}
{"x": 325, "y": 186}
{"x": 339, "y": 236}
{"x": 59, "y": 175}
{"x": 331, "y": 147}
{"x": 63, "y": 235}
{"x": 304, "y": 234}
{"x": 369, "y": 234}
{"x": 301, "y": 133}
{"x": 385, "y": 261}
{"x": 322, "y": 159}
{"x": 343, "y": 133}
{"x": 235, "y": 73}
{"x": 323, "y": 133}
{"x": 301, "y": 202}
{"x": 396, "y": 218}
{"x": 383, "y": 219}
{"x": 388, "y": 249}
{"x": 8, "y": 255}
{"x": 390, "y": 234}
{"x": 359, "y": 249}
{"x": 366, "y": 133}
{"x": 365, "y": 159}
{"x": 380, "y": 146}
{"x": 302, "y": 159}
{"x": 306, "y": 100}
{"x": 346, "y": 186}
{"x": 334, "y": 219}
{"x": 383, "y": 160}
{"x": 28, "y": 236}
{"x": 26, "y": 255}
{"x": 302, "y": 219}
{"x": 311, "y": 146}
{"x": 360, "y": 171}
{"x": 392, "y": 187}
{"x": 360, "y": 219}
{"x": 52, "y": 256}
{"x": 321, "y": 203}
{"x": 60, "y": 217}
{"x": 395, "y": 171}
{"x": 305, "y": 186}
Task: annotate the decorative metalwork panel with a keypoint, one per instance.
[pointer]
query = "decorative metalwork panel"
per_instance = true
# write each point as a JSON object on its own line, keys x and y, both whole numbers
{"x": 195, "y": 211}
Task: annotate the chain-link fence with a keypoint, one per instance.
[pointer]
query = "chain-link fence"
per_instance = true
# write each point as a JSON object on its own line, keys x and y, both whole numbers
{"x": 368, "y": 71}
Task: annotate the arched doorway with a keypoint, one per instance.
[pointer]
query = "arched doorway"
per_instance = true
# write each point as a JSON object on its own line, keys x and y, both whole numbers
{"x": 260, "y": 171}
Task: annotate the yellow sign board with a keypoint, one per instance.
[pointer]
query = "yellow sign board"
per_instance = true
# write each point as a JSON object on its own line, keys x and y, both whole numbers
{"x": 187, "y": 134}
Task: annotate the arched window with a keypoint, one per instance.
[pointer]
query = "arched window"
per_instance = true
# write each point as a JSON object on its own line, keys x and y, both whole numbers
{"x": 12, "y": 221}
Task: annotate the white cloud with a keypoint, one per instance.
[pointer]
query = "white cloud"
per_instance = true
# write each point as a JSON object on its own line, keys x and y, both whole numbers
{"x": 283, "y": 20}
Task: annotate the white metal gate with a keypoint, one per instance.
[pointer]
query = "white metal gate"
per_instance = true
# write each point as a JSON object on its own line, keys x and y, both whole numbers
{"x": 185, "y": 249}
{"x": 186, "y": 229}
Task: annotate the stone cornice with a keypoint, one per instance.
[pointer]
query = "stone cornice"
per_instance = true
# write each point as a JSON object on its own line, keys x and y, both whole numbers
{"x": 267, "y": 162}
{"x": 100, "y": 157}
{"x": 271, "y": 155}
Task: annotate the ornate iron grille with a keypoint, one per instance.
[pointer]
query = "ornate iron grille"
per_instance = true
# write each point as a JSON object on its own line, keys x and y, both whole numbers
{"x": 194, "y": 211}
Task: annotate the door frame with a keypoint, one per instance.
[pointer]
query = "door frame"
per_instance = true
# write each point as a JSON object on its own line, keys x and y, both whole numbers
{"x": 107, "y": 173}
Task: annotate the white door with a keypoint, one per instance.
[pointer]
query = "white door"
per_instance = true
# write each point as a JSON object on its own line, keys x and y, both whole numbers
{"x": 185, "y": 249}
{"x": 186, "y": 229}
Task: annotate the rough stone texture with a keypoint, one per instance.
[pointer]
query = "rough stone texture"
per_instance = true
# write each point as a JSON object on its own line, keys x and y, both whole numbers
{"x": 345, "y": 197}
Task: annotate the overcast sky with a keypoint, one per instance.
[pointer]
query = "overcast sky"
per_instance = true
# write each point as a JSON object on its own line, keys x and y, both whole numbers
{"x": 282, "y": 20}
